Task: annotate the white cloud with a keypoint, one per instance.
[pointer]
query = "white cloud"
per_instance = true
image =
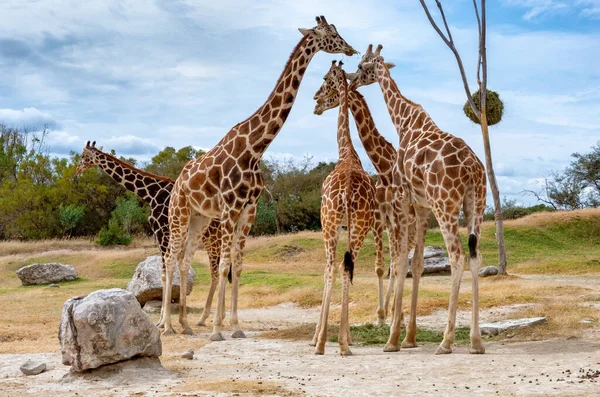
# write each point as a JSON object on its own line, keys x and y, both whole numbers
{"x": 28, "y": 117}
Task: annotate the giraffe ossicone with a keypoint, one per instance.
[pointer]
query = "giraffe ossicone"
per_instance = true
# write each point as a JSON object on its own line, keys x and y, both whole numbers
{"x": 225, "y": 183}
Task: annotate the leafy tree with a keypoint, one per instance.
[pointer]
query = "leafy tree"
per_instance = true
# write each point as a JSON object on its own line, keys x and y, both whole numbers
{"x": 578, "y": 186}
{"x": 70, "y": 216}
{"x": 129, "y": 214}
{"x": 169, "y": 162}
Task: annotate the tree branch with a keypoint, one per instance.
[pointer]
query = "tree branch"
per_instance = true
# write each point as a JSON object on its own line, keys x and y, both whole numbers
{"x": 483, "y": 53}
{"x": 479, "y": 55}
{"x": 450, "y": 45}
{"x": 439, "y": 5}
{"x": 539, "y": 198}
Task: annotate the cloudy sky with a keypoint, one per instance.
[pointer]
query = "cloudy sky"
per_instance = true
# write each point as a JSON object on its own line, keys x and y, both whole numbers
{"x": 139, "y": 75}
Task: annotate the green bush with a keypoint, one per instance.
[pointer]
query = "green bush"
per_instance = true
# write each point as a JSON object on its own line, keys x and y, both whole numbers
{"x": 70, "y": 216}
{"x": 265, "y": 221}
{"x": 113, "y": 235}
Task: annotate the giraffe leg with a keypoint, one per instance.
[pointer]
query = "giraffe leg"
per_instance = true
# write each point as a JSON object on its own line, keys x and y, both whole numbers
{"x": 378, "y": 227}
{"x": 228, "y": 221}
{"x": 473, "y": 209}
{"x": 393, "y": 234}
{"x": 243, "y": 229}
{"x": 401, "y": 268}
{"x": 196, "y": 226}
{"x": 211, "y": 243}
{"x": 448, "y": 220}
{"x": 318, "y": 328}
{"x": 417, "y": 265}
{"x": 331, "y": 221}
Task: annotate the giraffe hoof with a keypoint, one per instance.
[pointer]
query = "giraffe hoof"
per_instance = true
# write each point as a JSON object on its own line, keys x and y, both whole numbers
{"x": 188, "y": 331}
{"x": 238, "y": 334}
{"x": 381, "y": 321}
{"x": 217, "y": 337}
{"x": 409, "y": 344}
{"x": 168, "y": 331}
{"x": 345, "y": 353}
{"x": 477, "y": 349}
{"x": 443, "y": 350}
{"x": 160, "y": 326}
{"x": 389, "y": 348}
{"x": 319, "y": 352}
{"x": 201, "y": 323}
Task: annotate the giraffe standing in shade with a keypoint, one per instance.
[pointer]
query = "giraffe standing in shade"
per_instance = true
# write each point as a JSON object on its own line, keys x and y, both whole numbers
{"x": 156, "y": 191}
{"x": 438, "y": 172}
{"x": 347, "y": 196}
{"x": 226, "y": 182}
{"x": 383, "y": 156}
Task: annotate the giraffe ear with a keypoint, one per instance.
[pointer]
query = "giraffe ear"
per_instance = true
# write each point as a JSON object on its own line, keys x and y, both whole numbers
{"x": 390, "y": 65}
{"x": 100, "y": 148}
{"x": 351, "y": 76}
{"x": 305, "y": 32}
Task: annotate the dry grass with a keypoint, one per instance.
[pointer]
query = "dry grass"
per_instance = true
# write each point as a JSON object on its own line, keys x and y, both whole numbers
{"x": 229, "y": 386}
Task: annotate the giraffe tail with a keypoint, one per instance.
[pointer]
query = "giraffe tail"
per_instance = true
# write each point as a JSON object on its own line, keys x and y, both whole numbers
{"x": 348, "y": 262}
{"x": 230, "y": 275}
{"x": 473, "y": 245}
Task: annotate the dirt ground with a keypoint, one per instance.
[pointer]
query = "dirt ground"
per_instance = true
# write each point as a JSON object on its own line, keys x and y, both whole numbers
{"x": 260, "y": 366}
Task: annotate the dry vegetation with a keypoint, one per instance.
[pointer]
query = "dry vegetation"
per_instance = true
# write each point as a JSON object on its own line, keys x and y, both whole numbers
{"x": 289, "y": 268}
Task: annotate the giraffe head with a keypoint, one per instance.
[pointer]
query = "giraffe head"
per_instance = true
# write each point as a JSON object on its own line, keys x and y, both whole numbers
{"x": 88, "y": 158}
{"x": 328, "y": 95}
{"x": 327, "y": 38}
{"x": 367, "y": 73}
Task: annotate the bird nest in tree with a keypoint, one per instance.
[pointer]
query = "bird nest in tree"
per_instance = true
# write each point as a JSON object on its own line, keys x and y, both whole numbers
{"x": 494, "y": 108}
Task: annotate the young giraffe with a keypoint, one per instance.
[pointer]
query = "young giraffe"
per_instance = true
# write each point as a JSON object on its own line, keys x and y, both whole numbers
{"x": 348, "y": 195}
{"x": 439, "y": 172}
{"x": 383, "y": 156}
{"x": 156, "y": 191}
{"x": 225, "y": 183}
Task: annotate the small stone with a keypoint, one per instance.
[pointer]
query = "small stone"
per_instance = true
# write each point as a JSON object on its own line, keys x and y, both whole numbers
{"x": 587, "y": 321}
{"x": 188, "y": 355}
{"x": 502, "y": 326}
{"x": 489, "y": 271}
{"x": 33, "y": 368}
{"x": 509, "y": 336}
{"x": 53, "y": 286}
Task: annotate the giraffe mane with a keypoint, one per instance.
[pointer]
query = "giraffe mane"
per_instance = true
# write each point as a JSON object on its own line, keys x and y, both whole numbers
{"x": 127, "y": 165}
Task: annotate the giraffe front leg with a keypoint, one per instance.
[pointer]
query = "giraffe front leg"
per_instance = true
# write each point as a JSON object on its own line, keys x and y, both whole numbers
{"x": 243, "y": 229}
{"x": 394, "y": 252}
{"x": 212, "y": 244}
{"x": 378, "y": 227}
{"x": 417, "y": 233}
{"x": 227, "y": 230}
{"x": 196, "y": 226}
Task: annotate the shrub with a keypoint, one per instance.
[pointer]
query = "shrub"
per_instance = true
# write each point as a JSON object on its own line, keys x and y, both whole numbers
{"x": 113, "y": 235}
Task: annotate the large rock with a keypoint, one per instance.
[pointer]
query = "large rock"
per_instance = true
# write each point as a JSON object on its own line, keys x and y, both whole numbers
{"x": 46, "y": 273}
{"x": 489, "y": 271}
{"x": 105, "y": 327}
{"x": 435, "y": 258}
{"x": 501, "y": 326}
{"x": 146, "y": 283}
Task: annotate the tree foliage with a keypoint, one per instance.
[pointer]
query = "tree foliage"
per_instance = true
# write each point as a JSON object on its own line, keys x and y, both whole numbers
{"x": 169, "y": 162}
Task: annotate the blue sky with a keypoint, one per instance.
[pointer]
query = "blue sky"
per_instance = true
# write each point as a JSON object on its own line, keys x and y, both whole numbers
{"x": 139, "y": 75}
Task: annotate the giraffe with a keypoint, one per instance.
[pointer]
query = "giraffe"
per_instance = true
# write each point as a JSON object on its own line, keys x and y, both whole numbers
{"x": 347, "y": 196}
{"x": 438, "y": 172}
{"x": 226, "y": 182}
{"x": 156, "y": 191}
{"x": 383, "y": 156}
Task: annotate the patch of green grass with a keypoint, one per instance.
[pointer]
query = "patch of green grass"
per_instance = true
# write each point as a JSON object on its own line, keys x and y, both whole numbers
{"x": 280, "y": 281}
{"x": 377, "y": 335}
{"x": 122, "y": 270}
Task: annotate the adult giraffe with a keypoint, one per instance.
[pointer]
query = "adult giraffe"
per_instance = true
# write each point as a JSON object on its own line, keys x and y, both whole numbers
{"x": 383, "y": 156}
{"x": 225, "y": 183}
{"x": 156, "y": 191}
{"x": 438, "y": 172}
{"x": 348, "y": 194}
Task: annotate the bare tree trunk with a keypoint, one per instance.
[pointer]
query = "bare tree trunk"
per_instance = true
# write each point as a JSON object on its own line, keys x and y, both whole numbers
{"x": 495, "y": 193}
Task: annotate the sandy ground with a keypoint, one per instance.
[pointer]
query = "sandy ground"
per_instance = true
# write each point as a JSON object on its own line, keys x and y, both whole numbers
{"x": 258, "y": 366}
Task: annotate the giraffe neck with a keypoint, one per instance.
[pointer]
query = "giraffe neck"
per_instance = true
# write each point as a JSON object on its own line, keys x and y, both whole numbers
{"x": 345, "y": 147}
{"x": 380, "y": 151}
{"x": 131, "y": 178}
{"x": 407, "y": 116}
{"x": 258, "y": 131}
